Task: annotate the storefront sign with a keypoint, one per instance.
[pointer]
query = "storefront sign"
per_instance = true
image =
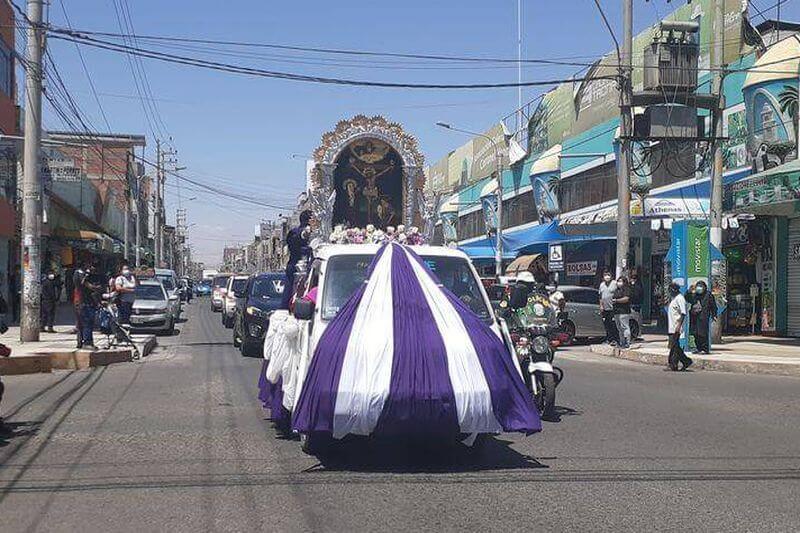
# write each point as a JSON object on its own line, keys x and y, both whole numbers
{"x": 769, "y": 189}
{"x": 691, "y": 259}
{"x": 556, "y": 258}
{"x": 583, "y": 268}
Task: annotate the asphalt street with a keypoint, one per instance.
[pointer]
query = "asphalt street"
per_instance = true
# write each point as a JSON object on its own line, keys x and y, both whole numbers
{"x": 178, "y": 442}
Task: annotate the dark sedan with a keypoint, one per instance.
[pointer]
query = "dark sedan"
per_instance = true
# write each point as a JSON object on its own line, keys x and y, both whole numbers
{"x": 261, "y": 296}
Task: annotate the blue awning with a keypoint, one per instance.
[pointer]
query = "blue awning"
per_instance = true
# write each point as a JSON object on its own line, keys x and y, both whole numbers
{"x": 529, "y": 240}
{"x": 485, "y": 249}
{"x": 538, "y": 238}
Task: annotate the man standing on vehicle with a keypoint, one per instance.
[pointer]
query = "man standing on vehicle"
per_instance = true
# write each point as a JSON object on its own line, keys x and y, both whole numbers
{"x": 125, "y": 285}
{"x": 622, "y": 312}
{"x": 297, "y": 243}
{"x": 606, "y": 295}
{"x": 676, "y": 314}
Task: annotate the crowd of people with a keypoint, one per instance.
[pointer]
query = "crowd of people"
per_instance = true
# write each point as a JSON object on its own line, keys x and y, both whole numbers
{"x": 619, "y": 298}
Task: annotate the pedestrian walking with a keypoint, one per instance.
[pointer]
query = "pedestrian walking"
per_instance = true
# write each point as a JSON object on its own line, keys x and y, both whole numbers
{"x": 676, "y": 314}
{"x": 622, "y": 311}
{"x": 606, "y": 296}
{"x": 125, "y": 286}
{"x": 50, "y": 292}
{"x": 702, "y": 310}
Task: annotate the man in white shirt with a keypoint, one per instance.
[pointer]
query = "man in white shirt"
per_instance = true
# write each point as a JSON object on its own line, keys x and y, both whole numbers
{"x": 125, "y": 286}
{"x": 605, "y": 293}
{"x": 676, "y": 315}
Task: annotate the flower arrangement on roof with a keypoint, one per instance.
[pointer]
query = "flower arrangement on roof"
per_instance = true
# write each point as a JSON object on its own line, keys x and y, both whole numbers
{"x": 372, "y": 235}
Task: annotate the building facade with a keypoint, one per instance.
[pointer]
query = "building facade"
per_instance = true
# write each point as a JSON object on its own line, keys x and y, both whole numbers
{"x": 561, "y": 165}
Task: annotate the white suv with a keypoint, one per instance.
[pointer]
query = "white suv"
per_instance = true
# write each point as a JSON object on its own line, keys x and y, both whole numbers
{"x": 234, "y": 290}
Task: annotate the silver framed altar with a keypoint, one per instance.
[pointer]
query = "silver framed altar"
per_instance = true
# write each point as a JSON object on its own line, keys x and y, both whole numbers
{"x": 367, "y": 170}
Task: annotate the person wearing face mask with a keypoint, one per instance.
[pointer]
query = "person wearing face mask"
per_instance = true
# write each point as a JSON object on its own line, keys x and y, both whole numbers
{"x": 606, "y": 296}
{"x": 622, "y": 311}
{"x": 702, "y": 310}
{"x": 50, "y": 292}
{"x": 676, "y": 314}
{"x": 125, "y": 286}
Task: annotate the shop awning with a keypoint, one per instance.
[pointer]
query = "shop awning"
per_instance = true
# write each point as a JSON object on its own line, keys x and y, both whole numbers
{"x": 690, "y": 201}
{"x": 533, "y": 239}
{"x": 538, "y": 238}
{"x": 775, "y": 191}
{"x": 523, "y": 263}
{"x": 485, "y": 249}
{"x": 101, "y": 240}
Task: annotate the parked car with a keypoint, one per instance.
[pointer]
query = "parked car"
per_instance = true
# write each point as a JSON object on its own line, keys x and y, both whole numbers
{"x": 203, "y": 288}
{"x": 263, "y": 294}
{"x": 233, "y": 292}
{"x": 152, "y": 308}
{"x": 218, "y": 288}
{"x": 583, "y": 313}
{"x": 169, "y": 280}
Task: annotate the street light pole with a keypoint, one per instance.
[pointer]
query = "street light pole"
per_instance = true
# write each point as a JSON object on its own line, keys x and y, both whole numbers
{"x": 498, "y": 253}
{"x": 31, "y": 185}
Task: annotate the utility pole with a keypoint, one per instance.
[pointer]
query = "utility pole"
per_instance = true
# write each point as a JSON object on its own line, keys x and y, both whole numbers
{"x": 715, "y": 218}
{"x": 31, "y": 185}
{"x": 157, "y": 226}
{"x": 126, "y": 221}
{"x": 180, "y": 236}
{"x": 137, "y": 236}
{"x": 626, "y": 130}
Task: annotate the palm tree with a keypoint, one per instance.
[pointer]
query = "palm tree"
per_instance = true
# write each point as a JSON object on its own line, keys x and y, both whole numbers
{"x": 788, "y": 100}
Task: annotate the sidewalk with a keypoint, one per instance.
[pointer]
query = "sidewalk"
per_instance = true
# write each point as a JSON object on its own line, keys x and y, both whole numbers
{"x": 55, "y": 351}
{"x": 746, "y": 354}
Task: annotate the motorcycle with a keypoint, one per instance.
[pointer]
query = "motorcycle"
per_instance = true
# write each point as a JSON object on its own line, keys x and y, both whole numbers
{"x": 536, "y": 334}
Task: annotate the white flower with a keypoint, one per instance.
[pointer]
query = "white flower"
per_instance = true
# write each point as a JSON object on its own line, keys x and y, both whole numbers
{"x": 389, "y": 230}
{"x": 401, "y": 238}
{"x": 370, "y": 228}
{"x": 401, "y": 228}
{"x": 413, "y": 230}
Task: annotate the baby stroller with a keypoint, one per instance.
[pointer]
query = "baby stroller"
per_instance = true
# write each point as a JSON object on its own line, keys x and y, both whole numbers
{"x": 108, "y": 324}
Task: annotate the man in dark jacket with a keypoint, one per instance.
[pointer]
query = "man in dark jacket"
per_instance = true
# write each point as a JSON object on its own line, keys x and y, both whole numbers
{"x": 297, "y": 243}
{"x": 50, "y": 294}
{"x": 702, "y": 310}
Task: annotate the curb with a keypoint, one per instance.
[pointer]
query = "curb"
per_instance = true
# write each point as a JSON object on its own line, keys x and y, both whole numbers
{"x": 46, "y": 361}
{"x": 701, "y": 363}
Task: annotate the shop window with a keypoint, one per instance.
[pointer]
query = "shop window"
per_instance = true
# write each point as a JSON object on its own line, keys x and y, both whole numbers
{"x": 6, "y": 70}
{"x": 588, "y": 188}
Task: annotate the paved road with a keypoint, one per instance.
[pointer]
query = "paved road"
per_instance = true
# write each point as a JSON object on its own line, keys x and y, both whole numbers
{"x": 179, "y": 443}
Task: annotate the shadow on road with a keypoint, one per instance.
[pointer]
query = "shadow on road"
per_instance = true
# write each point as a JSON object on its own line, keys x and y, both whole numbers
{"x": 384, "y": 455}
{"x": 559, "y": 412}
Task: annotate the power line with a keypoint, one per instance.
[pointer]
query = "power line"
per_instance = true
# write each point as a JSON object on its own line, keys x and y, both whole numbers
{"x": 239, "y": 69}
{"x": 135, "y": 78}
{"x": 86, "y": 70}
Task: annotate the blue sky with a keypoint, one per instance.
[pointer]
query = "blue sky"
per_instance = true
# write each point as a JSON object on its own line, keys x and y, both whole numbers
{"x": 239, "y": 132}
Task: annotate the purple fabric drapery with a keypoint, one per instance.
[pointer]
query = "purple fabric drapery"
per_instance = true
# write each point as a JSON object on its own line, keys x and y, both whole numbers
{"x": 409, "y": 387}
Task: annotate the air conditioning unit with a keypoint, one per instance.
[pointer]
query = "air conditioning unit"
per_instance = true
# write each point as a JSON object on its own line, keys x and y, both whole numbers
{"x": 671, "y": 66}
